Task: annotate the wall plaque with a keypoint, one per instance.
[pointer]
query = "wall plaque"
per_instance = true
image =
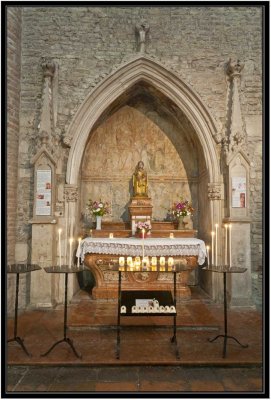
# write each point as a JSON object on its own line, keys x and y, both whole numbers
{"x": 44, "y": 192}
{"x": 238, "y": 192}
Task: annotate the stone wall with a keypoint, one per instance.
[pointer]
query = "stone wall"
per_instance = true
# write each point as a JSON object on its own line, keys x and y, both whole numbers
{"x": 13, "y": 125}
{"x": 13, "y": 128}
{"x": 87, "y": 42}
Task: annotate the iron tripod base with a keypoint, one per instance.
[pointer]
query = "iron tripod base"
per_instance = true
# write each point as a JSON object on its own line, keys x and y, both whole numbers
{"x": 20, "y": 341}
{"x": 226, "y": 337}
{"x": 67, "y": 340}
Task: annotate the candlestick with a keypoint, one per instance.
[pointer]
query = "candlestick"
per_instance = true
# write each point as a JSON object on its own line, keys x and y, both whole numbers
{"x": 212, "y": 233}
{"x": 226, "y": 244}
{"x": 207, "y": 251}
{"x": 78, "y": 258}
{"x": 230, "y": 243}
{"x": 70, "y": 258}
{"x": 216, "y": 230}
{"x": 59, "y": 246}
{"x": 143, "y": 232}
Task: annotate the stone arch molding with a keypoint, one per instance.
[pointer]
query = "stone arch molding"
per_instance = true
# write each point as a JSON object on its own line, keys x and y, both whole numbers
{"x": 142, "y": 68}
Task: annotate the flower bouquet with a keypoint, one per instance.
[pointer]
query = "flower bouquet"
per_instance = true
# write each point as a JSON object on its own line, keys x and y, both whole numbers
{"x": 181, "y": 209}
{"x": 143, "y": 228}
{"x": 99, "y": 209}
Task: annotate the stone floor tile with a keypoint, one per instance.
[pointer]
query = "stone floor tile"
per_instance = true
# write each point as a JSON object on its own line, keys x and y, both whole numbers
{"x": 73, "y": 387}
{"x": 77, "y": 374}
{"x": 161, "y": 386}
{"x": 112, "y": 374}
{"x": 206, "y": 386}
{"x": 116, "y": 387}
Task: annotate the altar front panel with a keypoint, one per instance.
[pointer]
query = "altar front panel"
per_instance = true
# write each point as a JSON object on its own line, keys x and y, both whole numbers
{"x": 190, "y": 252}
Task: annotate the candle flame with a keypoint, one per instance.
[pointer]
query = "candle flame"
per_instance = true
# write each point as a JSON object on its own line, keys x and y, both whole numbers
{"x": 212, "y": 233}
{"x": 60, "y": 230}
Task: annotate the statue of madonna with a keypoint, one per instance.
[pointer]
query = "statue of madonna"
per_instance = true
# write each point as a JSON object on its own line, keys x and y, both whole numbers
{"x": 140, "y": 182}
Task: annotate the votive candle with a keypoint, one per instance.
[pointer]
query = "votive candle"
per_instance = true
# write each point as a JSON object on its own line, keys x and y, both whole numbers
{"x": 129, "y": 260}
{"x": 121, "y": 261}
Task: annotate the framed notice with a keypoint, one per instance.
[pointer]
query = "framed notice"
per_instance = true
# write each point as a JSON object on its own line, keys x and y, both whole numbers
{"x": 238, "y": 192}
{"x": 44, "y": 192}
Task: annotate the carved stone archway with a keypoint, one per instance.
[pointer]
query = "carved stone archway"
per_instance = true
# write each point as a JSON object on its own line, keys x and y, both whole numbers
{"x": 145, "y": 69}
{"x": 141, "y": 68}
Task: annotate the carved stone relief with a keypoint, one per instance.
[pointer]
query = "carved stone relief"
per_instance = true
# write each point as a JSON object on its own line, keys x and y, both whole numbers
{"x": 118, "y": 144}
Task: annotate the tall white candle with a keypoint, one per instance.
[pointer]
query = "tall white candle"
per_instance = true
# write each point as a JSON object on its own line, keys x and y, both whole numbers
{"x": 230, "y": 244}
{"x": 70, "y": 257}
{"x": 213, "y": 234}
{"x": 216, "y": 230}
{"x": 208, "y": 258}
{"x": 59, "y": 245}
{"x": 226, "y": 244}
{"x": 143, "y": 233}
{"x": 78, "y": 258}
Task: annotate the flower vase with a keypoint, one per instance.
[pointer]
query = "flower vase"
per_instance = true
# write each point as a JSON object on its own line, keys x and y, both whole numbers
{"x": 98, "y": 222}
{"x": 181, "y": 224}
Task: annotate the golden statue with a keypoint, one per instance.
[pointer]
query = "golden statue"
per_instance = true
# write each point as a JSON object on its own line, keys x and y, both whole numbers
{"x": 140, "y": 182}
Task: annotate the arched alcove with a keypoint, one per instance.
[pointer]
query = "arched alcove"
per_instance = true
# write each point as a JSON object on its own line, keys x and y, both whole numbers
{"x": 157, "y": 98}
{"x": 142, "y": 124}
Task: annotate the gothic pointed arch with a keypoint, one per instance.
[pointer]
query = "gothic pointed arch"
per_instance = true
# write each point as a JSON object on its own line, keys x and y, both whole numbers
{"x": 141, "y": 69}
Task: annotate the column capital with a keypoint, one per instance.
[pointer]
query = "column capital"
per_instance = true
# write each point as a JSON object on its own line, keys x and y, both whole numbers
{"x": 71, "y": 193}
{"x": 214, "y": 191}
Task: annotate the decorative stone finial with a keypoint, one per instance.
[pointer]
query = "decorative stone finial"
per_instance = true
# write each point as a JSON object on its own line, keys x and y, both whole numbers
{"x": 142, "y": 29}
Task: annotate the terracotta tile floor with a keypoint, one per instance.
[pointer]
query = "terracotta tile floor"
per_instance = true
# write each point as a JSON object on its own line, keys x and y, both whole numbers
{"x": 144, "y": 341}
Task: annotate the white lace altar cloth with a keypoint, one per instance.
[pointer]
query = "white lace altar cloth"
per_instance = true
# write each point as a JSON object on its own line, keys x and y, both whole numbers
{"x": 152, "y": 247}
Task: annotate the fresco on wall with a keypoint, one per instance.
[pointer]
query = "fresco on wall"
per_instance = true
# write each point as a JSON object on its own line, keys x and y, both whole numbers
{"x": 112, "y": 153}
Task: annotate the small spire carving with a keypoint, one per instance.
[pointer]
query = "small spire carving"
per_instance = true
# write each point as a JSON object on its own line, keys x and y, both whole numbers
{"x": 236, "y": 139}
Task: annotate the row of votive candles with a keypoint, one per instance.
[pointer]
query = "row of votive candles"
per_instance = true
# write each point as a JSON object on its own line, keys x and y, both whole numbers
{"x": 146, "y": 261}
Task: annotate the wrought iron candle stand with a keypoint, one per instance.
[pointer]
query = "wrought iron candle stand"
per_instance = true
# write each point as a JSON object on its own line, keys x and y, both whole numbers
{"x": 19, "y": 269}
{"x": 225, "y": 269}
